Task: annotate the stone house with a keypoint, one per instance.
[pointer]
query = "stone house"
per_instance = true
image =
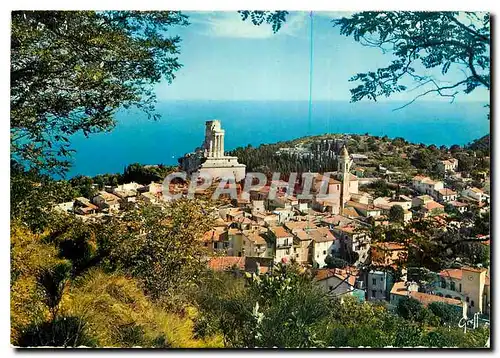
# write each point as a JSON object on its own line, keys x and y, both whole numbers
{"x": 445, "y": 195}
{"x": 283, "y": 243}
{"x": 107, "y": 201}
{"x": 448, "y": 165}
{"x": 426, "y": 185}
{"x": 406, "y": 289}
{"x": 474, "y": 194}
{"x": 322, "y": 244}
{"x": 468, "y": 284}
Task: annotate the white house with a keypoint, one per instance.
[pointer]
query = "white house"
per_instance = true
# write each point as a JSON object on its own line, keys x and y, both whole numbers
{"x": 461, "y": 207}
{"x": 353, "y": 241}
{"x": 336, "y": 281}
{"x": 426, "y": 185}
{"x": 283, "y": 243}
{"x": 448, "y": 165}
{"x": 378, "y": 285}
{"x": 473, "y": 193}
{"x": 445, "y": 195}
{"x": 323, "y": 244}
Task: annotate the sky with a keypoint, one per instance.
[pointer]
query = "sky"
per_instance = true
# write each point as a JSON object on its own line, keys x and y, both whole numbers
{"x": 225, "y": 58}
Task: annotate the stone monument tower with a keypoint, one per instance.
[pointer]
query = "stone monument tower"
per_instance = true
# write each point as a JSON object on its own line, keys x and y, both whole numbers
{"x": 214, "y": 140}
{"x": 210, "y": 158}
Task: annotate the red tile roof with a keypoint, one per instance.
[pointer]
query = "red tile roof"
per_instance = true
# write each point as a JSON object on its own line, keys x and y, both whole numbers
{"x": 446, "y": 192}
{"x": 280, "y": 232}
{"x": 400, "y": 289}
{"x": 342, "y": 274}
{"x": 431, "y": 205}
{"x": 321, "y": 234}
{"x": 391, "y": 246}
{"x": 223, "y": 263}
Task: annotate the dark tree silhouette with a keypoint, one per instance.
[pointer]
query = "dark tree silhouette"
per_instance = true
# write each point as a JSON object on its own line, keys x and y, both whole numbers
{"x": 418, "y": 40}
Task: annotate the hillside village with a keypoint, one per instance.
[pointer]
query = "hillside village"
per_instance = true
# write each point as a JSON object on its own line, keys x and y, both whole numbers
{"x": 346, "y": 239}
{"x": 333, "y": 240}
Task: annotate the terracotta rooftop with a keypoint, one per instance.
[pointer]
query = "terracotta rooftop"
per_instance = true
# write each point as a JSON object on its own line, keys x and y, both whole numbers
{"x": 388, "y": 246}
{"x": 302, "y": 235}
{"x": 446, "y": 191}
{"x": 297, "y": 225}
{"x": 330, "y": 180}
{"x": 321, "y": 234}
{"x": 255, "y": 237}
{"x": 213, "y": 235}
{"x": 348, "y": 228}
{"x": 429, "y": 181}
{"x": 223, "y": 263}
{"x": 342, "y": 274}
{"x": 108, "y": 196}
{"x": 361, "y": 206}
{"x": 280, "y": 232}
{"x": 350, "y": 212}
{"x": 431, "y": 205}
{"x": 400, "y": 289}
{"x": 457, "y": 203}
{"x": 86, "y": 202}
{"x": 458, "y": 273}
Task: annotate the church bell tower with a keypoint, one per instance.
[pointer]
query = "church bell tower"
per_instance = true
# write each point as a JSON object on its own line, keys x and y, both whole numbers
{"x": 343, "y": 167}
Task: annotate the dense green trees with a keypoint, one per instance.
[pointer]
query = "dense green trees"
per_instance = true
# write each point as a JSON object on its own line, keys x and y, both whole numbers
{"x": 411, "y": 309}
{"x": 109, "y": 284}
{"x": 145, "y": 174}
{"x": 159, "y": 246}
{"x": 335, "y": 262}
{"x": 396, "y": 214}
{"x": 71, "y": 71}
{"x": 249, "y": 315}
{"x": 32, "y": 196}
{"x": 286, "y": 309}
{"x": 448, "y": 314}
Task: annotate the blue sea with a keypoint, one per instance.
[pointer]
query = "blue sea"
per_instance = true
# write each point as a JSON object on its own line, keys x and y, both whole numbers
{"x": 181, "y": 128}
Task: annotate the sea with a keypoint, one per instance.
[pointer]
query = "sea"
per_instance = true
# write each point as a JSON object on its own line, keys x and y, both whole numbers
{"x": 138, "y": 139}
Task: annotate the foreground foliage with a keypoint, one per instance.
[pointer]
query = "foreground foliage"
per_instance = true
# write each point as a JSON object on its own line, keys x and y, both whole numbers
{"x": 71, "y": 71}
{"x": 287, "y": 309}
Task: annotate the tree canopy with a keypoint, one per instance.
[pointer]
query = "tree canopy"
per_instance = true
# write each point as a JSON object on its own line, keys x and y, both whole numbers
{"x": 420, "y": 41}
{"x": 71, "y": 71}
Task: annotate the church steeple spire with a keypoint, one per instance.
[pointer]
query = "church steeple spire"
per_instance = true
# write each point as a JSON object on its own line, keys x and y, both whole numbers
{"x": 344, "y": 164}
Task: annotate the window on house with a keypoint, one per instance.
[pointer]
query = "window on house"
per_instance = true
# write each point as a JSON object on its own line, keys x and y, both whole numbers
{"x": 460, "y": 288}
{"x": 443, "y": 283}
{"x": 374, "y": 281}
{"x": 324, "y": 252}
{"x": 452, "y": 286}
{"x": 374, "y": 293}
{"x": 381, "y": 279}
